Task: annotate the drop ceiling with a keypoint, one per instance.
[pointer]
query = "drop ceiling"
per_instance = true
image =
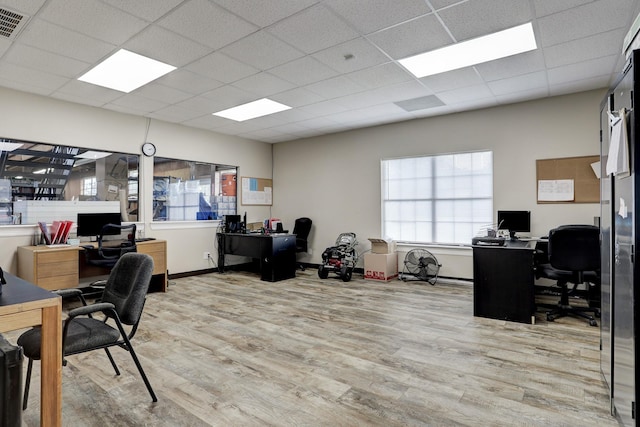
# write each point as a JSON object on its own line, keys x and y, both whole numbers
{"x": 334, "y": 61}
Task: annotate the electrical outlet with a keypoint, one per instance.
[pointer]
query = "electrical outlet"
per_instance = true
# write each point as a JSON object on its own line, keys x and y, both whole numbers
{"x": 206, "y": 255}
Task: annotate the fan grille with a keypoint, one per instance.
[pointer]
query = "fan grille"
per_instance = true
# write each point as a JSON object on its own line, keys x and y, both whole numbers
{"x": 11, "y": 23}
{"x": 422, "y": 264}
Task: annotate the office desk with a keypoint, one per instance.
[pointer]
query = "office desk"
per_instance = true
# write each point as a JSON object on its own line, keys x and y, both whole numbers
{"x": 23, "y": 305}
{"x": 63, "y": 267}
{"x": 503, "y": 281}
{"x": 276, "y": 252}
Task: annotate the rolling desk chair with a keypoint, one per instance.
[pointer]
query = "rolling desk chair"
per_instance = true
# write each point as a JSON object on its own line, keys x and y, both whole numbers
{"x": 574, "y": 257}
{"x": 301, "y": 229}
{"x": 106, "y": 255}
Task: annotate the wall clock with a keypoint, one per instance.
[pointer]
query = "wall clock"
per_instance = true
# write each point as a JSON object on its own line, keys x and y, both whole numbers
{"x": 148, "y": 149}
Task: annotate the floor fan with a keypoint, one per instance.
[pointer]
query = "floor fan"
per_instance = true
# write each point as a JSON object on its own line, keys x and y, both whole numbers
{"x": 420, "y": 264}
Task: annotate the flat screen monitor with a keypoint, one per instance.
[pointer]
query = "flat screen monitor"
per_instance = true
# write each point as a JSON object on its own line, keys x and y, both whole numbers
{"x": 514, "y": 221}
{"x": 90, "y": 224}
{"x": 232, "y": 223}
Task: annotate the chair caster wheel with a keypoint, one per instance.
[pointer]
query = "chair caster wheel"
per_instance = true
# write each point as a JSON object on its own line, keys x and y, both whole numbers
{"x": 550, "y": 318}
{"x": 593, "y": 323}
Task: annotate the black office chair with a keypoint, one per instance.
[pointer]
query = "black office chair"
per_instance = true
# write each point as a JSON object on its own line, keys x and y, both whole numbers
{"x": 121, "y": 304}
{"x": 301, "y": 229}
{"x": 106, "y": 254}
{"x": 574, "y": 257}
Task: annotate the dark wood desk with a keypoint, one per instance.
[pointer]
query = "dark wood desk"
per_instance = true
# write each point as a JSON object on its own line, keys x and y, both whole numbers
{"x": 503, "y": 281}
{"x": 276, "y": 253}
{"x": 23, "y": 305}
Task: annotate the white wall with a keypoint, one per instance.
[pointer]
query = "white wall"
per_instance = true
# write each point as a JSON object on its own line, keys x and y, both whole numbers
{"x": 35, "y": 118}
{"x": 335, "y": 179}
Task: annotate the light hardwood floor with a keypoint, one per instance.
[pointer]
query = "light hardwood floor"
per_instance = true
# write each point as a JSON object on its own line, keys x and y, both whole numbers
{"x": 231, "y": 350}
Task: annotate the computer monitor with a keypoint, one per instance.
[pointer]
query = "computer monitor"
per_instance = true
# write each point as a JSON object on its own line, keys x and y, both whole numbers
{"x": 232, "y": 224}
{"x": 90, "y": 224}
{"x": 514, "y": 221}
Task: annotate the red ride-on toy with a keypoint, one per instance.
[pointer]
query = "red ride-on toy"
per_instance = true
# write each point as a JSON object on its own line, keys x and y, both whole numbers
{"x": 341, "y": 258}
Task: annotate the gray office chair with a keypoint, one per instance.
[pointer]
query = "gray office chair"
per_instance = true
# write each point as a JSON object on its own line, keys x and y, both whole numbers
{"x": 573, "y": 257}
{"x": 121, "y": 304}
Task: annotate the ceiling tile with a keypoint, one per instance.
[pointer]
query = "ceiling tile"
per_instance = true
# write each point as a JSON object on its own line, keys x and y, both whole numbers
{"x": 159, "y": 92}
{"x": 303, "y": 71}
{"x": 30, "y": 57}
{"x": 262, "y": 50}
{"x": 597, "y": 46}
{"x": 372, "y": 15}
{"x": 207, "y": 23}
{"x": 532, "y": 81}
{"x": 381, "y": 75}
{"x": 351, "y": 56}
{"x": 189, "y": 82}
{"x": 335, "y": 87}
{"x": 139, "y": 103}
{"x": 413, "y": 37}
{"x": 313, "y": 29}
{"x": 98, "y": 94}
{"x": 93, "y": 18}
{"x": 23, "y": 75}
{"x": 472, "y": 19}
{"x": 30, "y": 7}
{"x": 147, "y": 10}
{"x": 512, "y": 66}
{"x": 583, "y": 21}
{"x": 163, "y": 45}
{"x": 452, "y": 79}
{"x": 546, "y": 7}
{"x": 297, "y": 97}
{"x": 581, "y": 71}
{"x": 263, "y": 84}
{"x": 222, "y": 68}
{"x": 466, "y": 94}
{"x": 229, "y": 96}
{"x": 265, "y": 13}
{"x": 53, "y": 38}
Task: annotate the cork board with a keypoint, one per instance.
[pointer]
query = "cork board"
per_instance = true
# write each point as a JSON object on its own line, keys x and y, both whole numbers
{"x": 586, "y": 184}
{"x": 256, "y": 191}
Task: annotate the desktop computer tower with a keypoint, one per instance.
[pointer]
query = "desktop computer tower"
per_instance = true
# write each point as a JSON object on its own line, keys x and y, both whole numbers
{"x": 10, "y": 384}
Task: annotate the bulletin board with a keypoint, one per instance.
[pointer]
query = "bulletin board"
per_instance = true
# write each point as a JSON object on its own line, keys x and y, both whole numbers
{"x": 576, "y": 171}
{"x": 256, "y": 191}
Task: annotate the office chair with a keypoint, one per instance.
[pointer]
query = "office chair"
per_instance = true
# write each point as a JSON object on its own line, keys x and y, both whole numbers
{"x": 574, "y": 257}
{"x": 106, "y": 255}
{"x": 121, "y": 304}
{"x": 301, "y": 229}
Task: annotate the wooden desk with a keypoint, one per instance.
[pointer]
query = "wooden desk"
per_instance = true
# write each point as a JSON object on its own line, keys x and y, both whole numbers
{"x": 23, "y": 305}
{"x": 63, "y": 267}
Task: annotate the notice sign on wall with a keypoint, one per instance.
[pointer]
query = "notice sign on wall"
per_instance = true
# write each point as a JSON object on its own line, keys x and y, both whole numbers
{"x": 555, "y": 190}
{"x": 257, "y": 191}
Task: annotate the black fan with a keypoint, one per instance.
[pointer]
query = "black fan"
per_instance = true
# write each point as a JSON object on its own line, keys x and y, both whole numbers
{"x": 420, "y": 264}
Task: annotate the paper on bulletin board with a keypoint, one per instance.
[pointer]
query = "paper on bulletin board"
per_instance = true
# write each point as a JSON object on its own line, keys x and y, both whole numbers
{"x": 256, "y": 191}
{"x": 556, "y": 190}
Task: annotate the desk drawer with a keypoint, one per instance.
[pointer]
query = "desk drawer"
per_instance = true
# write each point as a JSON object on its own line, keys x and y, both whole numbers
{"x": 59, "y": 282}
{"x": 157, "y": 251}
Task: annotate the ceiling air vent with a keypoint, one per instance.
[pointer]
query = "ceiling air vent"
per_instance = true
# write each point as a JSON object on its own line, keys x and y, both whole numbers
{"x": 11, "y": 23}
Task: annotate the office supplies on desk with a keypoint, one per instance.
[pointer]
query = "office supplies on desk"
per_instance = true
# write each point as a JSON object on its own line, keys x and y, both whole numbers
{"x": 488, "y": 241}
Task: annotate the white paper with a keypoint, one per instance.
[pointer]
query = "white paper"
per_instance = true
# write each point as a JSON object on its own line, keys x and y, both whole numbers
{"x": 555, "y": 190}
{"x": 618, "y": 160}
{"x": 623, "y": 208}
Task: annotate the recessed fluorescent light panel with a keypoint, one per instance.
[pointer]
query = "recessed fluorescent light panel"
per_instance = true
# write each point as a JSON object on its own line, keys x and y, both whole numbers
{"x": 126, "y": 71}
{"x": 90, "y": 154}
{"x": 259, "y": 108}
{"x": 471, "y": 52}
{"x": 9, "y": 146}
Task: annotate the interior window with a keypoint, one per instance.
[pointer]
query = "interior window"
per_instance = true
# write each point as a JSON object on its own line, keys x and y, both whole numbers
{"x": 189, "y": 191}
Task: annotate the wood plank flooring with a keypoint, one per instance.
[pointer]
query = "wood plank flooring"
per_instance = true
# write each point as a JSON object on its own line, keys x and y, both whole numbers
{"x": 231, "y": 350}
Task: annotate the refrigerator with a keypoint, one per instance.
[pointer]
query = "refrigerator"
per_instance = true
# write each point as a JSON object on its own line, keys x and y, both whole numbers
{"x": 620, "y": 285}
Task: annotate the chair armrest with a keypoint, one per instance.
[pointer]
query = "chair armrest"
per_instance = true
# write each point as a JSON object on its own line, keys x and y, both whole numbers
{"x": 93, "y": 308}
{"x": 72, "y": 292}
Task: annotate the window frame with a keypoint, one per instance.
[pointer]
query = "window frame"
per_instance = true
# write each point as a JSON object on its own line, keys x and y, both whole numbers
{"x": 415, "y": 214}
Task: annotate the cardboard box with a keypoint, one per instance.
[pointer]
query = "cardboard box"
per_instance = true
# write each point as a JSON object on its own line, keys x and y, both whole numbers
{"x": 382, "y": 246}
{"x": 381, "y": 267}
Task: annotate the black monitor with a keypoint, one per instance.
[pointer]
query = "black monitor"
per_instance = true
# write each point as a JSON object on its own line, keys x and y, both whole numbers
{"x": 90, "y": 224}
{"x": 514, "y": 221}
{"x": 232, "y": 224}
